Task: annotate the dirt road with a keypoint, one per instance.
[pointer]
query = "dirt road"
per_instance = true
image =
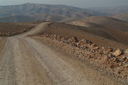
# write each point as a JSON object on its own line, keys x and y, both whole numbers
{"x": 25, "y": 61}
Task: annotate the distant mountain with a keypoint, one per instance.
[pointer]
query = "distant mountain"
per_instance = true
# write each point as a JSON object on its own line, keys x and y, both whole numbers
{"x": 16, "y": 19}
{"x": 122, "y": 16}
{"x": 19, "y": 18}
{"x": 30, "y": 12}
{"x": 111, "y": 10}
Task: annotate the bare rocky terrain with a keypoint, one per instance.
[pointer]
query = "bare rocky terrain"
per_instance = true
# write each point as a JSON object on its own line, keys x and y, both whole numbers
{"x": 107, "y": 58}
{"x": 63, "y": 45}
{"x": 122, "y": 16}
{"x": 94, "y": 33}
{"x": 62, "y": 55}
{"x": 106, "y": 27}
{"x": 25, "y": 61}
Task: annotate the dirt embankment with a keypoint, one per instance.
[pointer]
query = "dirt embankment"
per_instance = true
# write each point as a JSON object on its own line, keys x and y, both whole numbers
{"x": 12, "y": 29}
{"x": 112, "y": 61}
{"x": 93, "y": 35}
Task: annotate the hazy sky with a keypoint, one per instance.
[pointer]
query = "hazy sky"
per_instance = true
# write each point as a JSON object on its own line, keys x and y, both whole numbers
{"x": 77, "y": 3}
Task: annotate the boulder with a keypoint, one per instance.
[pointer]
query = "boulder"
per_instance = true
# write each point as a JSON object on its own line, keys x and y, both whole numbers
{"x": 115, "y": 60}
{"x": 110, "y": 55}
{"x": 69, "y": 41}
{"x": 123, "y": 58}
{"x": 66, "y": 38}
{"x": 84, "y": 41}
{"x": 126, "y": 52}
{"x": 55, "y": 36}
{"x": 126, "y": 61}
{"x": 47, "y": 35}
{"x": 74, "y": 39}
{"x": 118, "y": 52}
{"x": 62, "y": 39}
{"x": 104, "y": 59}
{"x": 77, "y": 44}
{"x": 59, "y": 37}
{"x": 93, "y": 45}
{"x": 73, "y": 44}
{"x": 103, "y": 48}
{"x": 126, "y": 65}
{"x": 110, "y": 49}
{"x": 96, "y": 47}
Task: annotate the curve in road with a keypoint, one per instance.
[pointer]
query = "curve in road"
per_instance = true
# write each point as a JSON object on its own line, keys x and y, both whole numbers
{"x": 26, "y": 61}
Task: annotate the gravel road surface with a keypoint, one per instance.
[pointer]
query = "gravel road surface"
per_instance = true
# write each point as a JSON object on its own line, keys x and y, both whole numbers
{"x": 25, "y": 61}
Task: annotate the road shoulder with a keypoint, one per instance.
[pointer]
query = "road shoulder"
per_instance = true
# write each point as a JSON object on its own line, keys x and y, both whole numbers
{"x": 91, "y": 71}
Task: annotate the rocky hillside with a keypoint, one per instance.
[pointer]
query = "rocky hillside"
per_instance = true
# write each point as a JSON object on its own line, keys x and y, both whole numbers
{"x": 122, "y": 16}
{"x": 40, "y": 17}
{"x": 113, "y": 27}
{"x": 112, "y": 10}
{"x": 114, "y": 61}
{"x": 30, "y": 11}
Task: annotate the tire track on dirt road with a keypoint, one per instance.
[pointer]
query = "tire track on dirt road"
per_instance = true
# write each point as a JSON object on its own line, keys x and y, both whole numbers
{"x": 26, "y": 61}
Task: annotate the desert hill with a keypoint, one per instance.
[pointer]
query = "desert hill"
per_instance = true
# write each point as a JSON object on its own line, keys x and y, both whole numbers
{"x": 95, "y": 34}
{"x": 120, "y": 12}
{"x": 30, "y": 51}
{"x": 39, "y": 17}
{"x": 111, "y": 10}
{"x": 34, "y": 9}
{"x": 31, "y": 11}
{"x": 108, "y": 22}
{"x": 117, "y": 29}
{"x": 91, "y": 31}
{"x": 122, "y": 16}
{"x": 100, "y": 42}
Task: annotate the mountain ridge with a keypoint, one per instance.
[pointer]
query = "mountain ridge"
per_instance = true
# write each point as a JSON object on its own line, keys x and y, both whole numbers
{"x": 122, "y": 16}
{"x": 38, "y": 9}
{"x": 111, "y": 10}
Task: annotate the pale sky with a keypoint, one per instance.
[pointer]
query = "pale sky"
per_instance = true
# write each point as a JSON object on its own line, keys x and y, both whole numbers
{"x": 77, "y": 3}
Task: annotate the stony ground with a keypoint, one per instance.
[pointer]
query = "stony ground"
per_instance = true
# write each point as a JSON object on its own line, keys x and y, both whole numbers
{"x": 114, "y": 61}
{"x": 27, "y": 61}
{"x": 57, "y": 60}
